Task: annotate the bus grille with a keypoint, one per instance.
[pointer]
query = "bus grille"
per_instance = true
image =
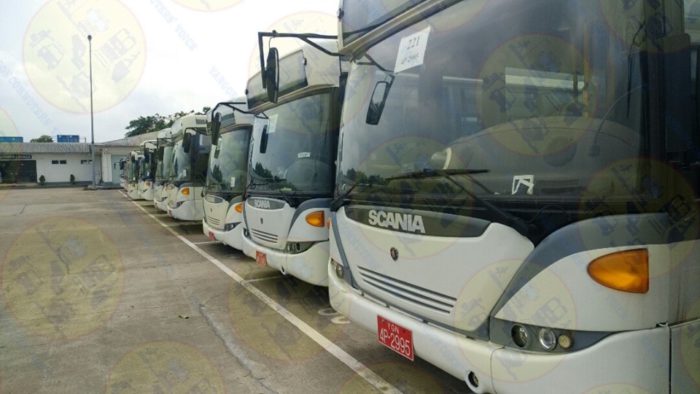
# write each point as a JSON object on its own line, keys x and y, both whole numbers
{"x": 213, "y": 221}
{"x": 408, "y": 292}
{"x": 263, "y": 236}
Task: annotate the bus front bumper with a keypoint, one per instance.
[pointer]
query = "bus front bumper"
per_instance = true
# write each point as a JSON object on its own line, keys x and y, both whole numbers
{"x": 186, "y": 211}
{"x": 309, "y": 266}
{"x": 635, "y": 361}
{"x": 233, "y": 238}
{"x": 162, "y": 205}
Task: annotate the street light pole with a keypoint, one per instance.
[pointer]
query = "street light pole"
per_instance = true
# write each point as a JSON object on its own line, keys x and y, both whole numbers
{"x": 92, "y": 118}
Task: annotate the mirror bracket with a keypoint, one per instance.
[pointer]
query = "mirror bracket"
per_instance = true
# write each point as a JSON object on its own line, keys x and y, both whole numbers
{"x": 306, "y": 37}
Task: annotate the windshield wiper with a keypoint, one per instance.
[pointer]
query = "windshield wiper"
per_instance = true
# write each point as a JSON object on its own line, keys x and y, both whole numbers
{"x": 517, "y": 223}
{"x": 338, "y": 201}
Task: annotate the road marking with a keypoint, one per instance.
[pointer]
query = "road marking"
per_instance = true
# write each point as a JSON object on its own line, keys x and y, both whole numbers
{"x": 264, "y": 279}
{"x": 351, "y": 362}
{"x": 207, "y": 243}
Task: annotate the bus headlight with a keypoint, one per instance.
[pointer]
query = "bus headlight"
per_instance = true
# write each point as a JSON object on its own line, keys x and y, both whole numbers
{"x": 298, "y": 247}
{"x": 230, "y": 226}
{"x": 338, "y": 268}
{"x": 548, "y": 339}
{"x": 532, "y": 338}
{"x": 520, "y": 335}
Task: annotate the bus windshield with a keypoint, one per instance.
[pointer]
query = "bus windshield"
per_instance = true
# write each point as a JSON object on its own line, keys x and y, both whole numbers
{"x": 165, "y": 165}
{"x": 182, "y": 165}
{"x": 292, "y": 148}
{"x": 228, "y": 162}
{"x": 530, "y": 111}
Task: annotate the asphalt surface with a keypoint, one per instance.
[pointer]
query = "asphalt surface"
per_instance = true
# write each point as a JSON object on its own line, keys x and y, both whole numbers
{"x": 98, "y": 294}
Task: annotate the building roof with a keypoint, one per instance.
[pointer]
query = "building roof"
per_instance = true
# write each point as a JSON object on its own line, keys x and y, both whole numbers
{"x": 43, "y": 147}
{"x": 54, "y": 147}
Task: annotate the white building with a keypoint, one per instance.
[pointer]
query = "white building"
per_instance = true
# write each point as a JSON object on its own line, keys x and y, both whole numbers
{"x": 56, "y": 162}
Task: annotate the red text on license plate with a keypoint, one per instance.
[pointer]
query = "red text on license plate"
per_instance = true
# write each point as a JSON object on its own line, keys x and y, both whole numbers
{"x": 261, "y": 259}
{"x": 395, "y": 337}
{"x": 211, "y": 236}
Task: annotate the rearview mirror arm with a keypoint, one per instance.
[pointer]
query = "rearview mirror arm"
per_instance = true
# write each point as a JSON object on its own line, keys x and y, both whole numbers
{"x": 306, "y": 37}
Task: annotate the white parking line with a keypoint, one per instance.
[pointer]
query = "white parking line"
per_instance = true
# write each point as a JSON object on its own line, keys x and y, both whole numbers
{"x": 207, "y": 243}
{"x": 367, "y": 374}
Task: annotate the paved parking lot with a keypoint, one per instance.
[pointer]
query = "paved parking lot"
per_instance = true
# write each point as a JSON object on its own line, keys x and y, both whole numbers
{"x": 98, "y": 294}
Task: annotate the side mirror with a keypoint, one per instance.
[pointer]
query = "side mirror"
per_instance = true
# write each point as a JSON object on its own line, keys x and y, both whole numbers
{"x": 378, "y": 101}
{"x": 263, "y": 140}
{"x": 215, "y": 128}
{"x": 161, "y": 153}
{"x": 203, "y": 144}
{"x": 187, "y": 142}
{"x": 121, "y": 165}
{"x": 272, "y": 75}
{"x": 133, "y": 160}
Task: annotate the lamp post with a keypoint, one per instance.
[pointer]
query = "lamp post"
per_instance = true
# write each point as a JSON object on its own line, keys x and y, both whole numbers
{"x": 92, "y": 118}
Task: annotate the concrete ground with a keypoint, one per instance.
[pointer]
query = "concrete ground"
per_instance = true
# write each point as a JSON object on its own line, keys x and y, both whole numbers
{"x": 97, "y": 295}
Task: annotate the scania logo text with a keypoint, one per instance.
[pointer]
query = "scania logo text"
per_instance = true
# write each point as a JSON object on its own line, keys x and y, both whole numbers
{"x": 261, "y": 204}
{"x": 397, "y": 221}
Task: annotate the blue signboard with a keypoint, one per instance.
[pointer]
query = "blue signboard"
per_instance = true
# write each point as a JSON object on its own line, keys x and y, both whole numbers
{"x": 67, "y": 138}
{"x": 11, "y": 139}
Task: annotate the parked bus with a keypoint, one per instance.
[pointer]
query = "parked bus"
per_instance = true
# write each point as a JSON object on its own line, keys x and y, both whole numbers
{"x": 123, "y": 174}
{"x": 134, "y": 175}
{"x": 230, "y": 127}
{"x": 148, "y": 169}
{"x": 517, "y": 190}
{"x": 291, "y": 165}
{"x": 191, "y": 146}
{"x": 163, "y": 169}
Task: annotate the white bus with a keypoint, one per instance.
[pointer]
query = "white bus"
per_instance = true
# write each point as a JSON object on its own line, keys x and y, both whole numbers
{"x": 291, "y": 166}
{"x": 191, "y": 147}
{"x": 230, "y": 127}
{"x": 133, "y": 170}
{"x": 517, "y": 190}
{"x": 148, "y": 168}
{"x": 123, "y": 174}
{"x": 164, "y": 156}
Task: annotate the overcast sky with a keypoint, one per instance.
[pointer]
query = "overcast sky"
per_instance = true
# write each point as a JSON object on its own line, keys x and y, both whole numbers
{"x": 149, "y": 56}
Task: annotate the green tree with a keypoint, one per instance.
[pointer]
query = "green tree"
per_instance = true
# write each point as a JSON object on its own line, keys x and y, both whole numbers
{"x": 148, "y": 124}
{"x": 43, "y": 138}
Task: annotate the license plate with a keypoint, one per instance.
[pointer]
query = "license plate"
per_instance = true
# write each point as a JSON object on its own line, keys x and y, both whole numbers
{"x": 261, "y": 259}
{"x": 211, "y": 236}
{"x": 395, "y": 337}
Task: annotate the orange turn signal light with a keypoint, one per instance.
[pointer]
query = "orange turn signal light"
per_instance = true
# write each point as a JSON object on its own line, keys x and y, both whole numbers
{"x": 316, "y": 219}
{"x": 185, "y": 191}
{"x": 238, "y": 207}
{"x": 626, "y": 271}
